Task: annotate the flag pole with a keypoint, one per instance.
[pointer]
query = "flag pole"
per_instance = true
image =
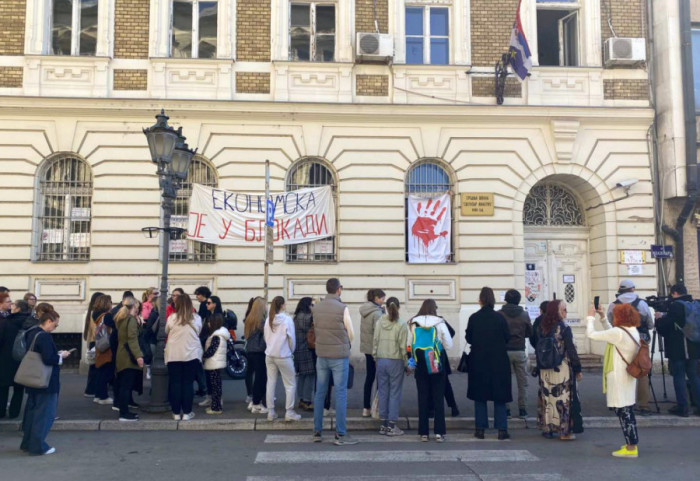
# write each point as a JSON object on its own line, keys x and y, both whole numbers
{"x": 268, "y": 231}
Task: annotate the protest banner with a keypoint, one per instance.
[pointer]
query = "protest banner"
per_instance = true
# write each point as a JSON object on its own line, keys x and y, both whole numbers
{"x": 430, "y": 226}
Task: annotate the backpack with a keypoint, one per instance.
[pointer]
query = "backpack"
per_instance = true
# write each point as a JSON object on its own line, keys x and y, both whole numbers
{"x": 547, "y": 352}
{"x": 102, "y": 336}
{"x": 641, "y": 364}
{"x": 19, "y": 346}
{"x": 426, "y": 339}
{"x": 691, "y": 330}
{"x": 642, "y": 328}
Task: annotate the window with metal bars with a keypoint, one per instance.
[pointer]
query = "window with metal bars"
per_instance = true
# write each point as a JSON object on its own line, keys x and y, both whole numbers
{"x": 64, "y": 210}
{"x": 427, "y": 178}
{"x": 304, "y": 174}
{"x": 184, "y": 250}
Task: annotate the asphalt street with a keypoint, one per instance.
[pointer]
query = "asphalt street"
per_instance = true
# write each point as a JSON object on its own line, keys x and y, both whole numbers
{"x": 668, "y": 454}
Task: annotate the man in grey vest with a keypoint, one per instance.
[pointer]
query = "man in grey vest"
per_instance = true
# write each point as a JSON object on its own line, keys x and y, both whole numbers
{"x": 334, "y": 333}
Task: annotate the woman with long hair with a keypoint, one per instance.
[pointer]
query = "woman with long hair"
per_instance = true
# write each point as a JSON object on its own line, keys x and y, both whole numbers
{"x": 389, "y": 352}
{"x": 183, "y": 356}
{"x": 555, "y": 395}
{"x": 129, "y": 359}
{"x": 280, "y": 339}
{"x": 429, "y": 384}
{"x": 249, "y": 371}
{"x": 255, "y": 350}
{"x": 370, "y": 313}
{"x": 304, "y": 364}
{"x": 619, "y": 387}
{"x": 103, "y": 360}
{"x": 489, "y": 366}
{"x": 89, "y": 338}
{"x": 149, "y": 298}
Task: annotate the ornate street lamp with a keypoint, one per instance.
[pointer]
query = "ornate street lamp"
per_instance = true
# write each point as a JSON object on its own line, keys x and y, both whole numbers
{"x": 170, "y": 153}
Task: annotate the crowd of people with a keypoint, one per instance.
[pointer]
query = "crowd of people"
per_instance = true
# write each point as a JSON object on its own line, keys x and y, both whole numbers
{"x": 310, "y": 350}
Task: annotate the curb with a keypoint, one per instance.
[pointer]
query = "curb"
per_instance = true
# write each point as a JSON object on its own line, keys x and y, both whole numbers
{"x": 306, "y": 425}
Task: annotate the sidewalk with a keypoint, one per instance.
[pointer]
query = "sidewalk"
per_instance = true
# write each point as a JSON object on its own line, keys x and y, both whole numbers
{"x": 78, "y": 413}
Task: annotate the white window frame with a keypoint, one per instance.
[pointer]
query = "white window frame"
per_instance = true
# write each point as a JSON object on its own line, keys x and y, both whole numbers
{"x": 195, "y": 26}
{"x": 312, "y": 39}
{"x": 427, "y": 37}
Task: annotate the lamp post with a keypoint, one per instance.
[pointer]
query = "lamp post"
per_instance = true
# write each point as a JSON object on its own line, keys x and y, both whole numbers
{"x": 172, "y": 156}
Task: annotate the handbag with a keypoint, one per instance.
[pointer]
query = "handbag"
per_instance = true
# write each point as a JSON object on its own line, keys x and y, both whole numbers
{"x": 32, "y": 371}
{"x": 463, "y": 363}
{"x": 641, "y": 364}
{"x": 90, "y": 356}
{"x": 311, "y": 337}
{"x": 102, "y": 335}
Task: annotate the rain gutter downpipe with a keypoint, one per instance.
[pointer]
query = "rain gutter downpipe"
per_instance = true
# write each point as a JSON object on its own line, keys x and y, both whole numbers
{"x": 691, "y": 154}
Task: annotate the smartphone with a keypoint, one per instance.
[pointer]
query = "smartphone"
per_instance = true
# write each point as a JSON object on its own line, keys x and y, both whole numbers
{"x": 72, "y": 350}
{"x": 596, "y": 302}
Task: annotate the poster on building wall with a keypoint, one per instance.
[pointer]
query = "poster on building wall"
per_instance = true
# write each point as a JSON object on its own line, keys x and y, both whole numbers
{"x": 222, "y": 217}
{"x": 429, "y": 229}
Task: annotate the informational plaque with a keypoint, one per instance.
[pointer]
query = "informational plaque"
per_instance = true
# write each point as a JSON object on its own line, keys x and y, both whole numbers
{"x": 477, "y": 203}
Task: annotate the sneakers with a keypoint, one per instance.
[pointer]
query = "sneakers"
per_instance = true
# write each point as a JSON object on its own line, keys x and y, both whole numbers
{"x": 522, "y": 413}
{"x": 259, "y": 409}
{"x": 479, "y": 434}
{"x": 205, "y": 402}
{"x": 383, "y": 429}
{"x": 291, "y": 416}
{"x": 329, "y": 412}
{"x": 679, "y": 411}
{"x": 344, "y": 440}
{"x": 129, "y": 417}
{"x": 50, "y": 451}
{"x": 439, "y": 438}
{"x": 317, "y": 437}
{"x": 176, "y": 417}
{"x": 623, "y": 452}
{"x": 89, "y": 396}
{"x": 187, "y": 417}
{"x": 103, "y": 402}
{"x": 424, "y": 439}
{"x": 211, "y": 411}
{"x": 115, "y": 408}
{"x": 503, "y": 435}
{"x": 249, "y": 399}
{"x": 250, "y": 406}
{"x": 394, "y": 431}
{"x": 271, "y": 415}
{"x": 366, "y": 413}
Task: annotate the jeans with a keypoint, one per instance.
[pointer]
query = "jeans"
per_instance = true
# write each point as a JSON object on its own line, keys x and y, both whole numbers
{"x": 256, "y": 364}
{"x": 339, "y": 369}
{"x": 181, "y": 385}
{"x": 481, "y": 416}
{"x": 518, "y": 365}
{"x": 680, "y": 369}
{"x": 39, "y": 415}
{"x": 103, "y": 377}
{"x": 285, "y": 367}
{"x": 305, "y": 386}
{"x": 15, "y": 403}
{"x": 430, "y": 386}
{"x": 369, "y": 380}
{"x": 629, "y": 424}
{"x": 201, "y": 379}
{"x": 390, "y": 374}
{"x": 123, "y": 387}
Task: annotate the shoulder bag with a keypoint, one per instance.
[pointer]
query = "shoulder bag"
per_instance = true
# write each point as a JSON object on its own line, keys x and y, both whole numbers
{"x": 32, "y": 371}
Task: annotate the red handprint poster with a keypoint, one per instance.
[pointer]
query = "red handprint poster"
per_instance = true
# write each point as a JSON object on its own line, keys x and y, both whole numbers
{"x": 429, "y": 229}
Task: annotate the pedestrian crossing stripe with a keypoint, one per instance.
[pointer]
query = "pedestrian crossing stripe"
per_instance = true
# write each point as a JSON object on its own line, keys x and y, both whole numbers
{"x": 376, "y": 438}
{"x": 432, "y": 477}
{"x": 324, "y": 457}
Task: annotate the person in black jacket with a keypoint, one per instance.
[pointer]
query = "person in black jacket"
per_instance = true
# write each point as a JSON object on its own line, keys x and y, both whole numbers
{"x": 40, "y": 411}
{"x": 682, "y": 354}
{"x": 9, "y": 327}
{"x": 520, "y": 329}
{"x": 489, "y": 367}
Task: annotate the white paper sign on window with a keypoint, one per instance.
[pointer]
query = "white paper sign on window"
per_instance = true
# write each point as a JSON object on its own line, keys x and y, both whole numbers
{"x": 80, "y": 239}
{"x": 52, "y": 236}
{"x": 80, "y": 213}
{"x": 178, "y": 246}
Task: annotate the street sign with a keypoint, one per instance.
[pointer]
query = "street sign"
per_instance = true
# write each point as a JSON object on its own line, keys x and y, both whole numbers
{"x": 661, "y": 252}
{"x": 270, "y": 214}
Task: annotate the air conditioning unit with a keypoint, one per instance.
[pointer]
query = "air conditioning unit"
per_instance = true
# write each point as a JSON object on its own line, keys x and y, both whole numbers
{"x": 624, "y": 51}
{"x": 374, "y": 47}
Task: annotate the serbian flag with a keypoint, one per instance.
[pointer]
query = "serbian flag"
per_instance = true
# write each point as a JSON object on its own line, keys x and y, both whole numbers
{"x": 519, "y": 51}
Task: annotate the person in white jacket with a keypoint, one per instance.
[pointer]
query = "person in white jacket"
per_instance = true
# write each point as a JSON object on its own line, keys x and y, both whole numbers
{"x": 281, "y": 341}
{"x": 620, "y": 388}
{"x": 214, "y": 358}
{"x": 430, "y": 385}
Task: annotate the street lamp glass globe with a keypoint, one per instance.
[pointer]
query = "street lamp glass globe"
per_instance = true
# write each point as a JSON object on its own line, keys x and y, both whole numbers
{"x": 161, "y": 139}
{"x": 181, "y": 162}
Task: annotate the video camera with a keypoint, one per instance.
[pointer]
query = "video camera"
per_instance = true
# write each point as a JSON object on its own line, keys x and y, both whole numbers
{"x": 659, "y": 303}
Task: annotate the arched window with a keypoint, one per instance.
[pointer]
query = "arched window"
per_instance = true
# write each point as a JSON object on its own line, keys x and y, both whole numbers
{"x": 552, "y": 205}
{"x": 183, "y": 250}
{"x": 63, "y": 209}
{"x": 306, "y": 173}
{"x": 429, "y": 179}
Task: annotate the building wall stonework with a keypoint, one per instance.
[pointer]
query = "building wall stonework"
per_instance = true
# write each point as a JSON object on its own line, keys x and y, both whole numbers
{"x": 627, "y": 89}
{"x": 253, "y": 30}
{"x": 364, "y": 15}
{"x": 253, "y": 82}
{"x": 628, "y": 18}
{"x": 372, "y": 85}
{"x": 12, "y": 22}
{"x": 11, "y": 77}
{"x": 130, "y": 79}
{"x": 131, "y": 28}
{"x": 484, "y": 87}
{"x": 491, "y": 24}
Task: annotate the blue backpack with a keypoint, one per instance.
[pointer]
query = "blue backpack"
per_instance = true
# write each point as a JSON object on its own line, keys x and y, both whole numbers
{"x": 691, "y": 330}
{"x": 426, "y": 339}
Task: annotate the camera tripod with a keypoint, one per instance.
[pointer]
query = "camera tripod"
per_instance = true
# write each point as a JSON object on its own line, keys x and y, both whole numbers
{"x": 654, "y": 339}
